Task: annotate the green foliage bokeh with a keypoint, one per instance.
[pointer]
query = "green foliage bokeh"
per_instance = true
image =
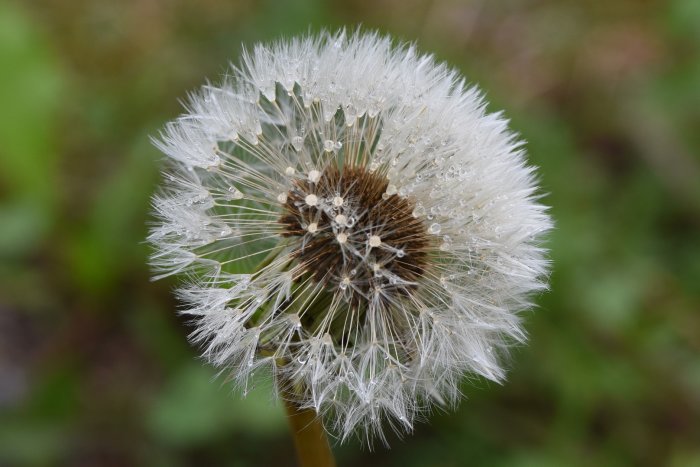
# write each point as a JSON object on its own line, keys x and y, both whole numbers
{"x": 95, "y": 368}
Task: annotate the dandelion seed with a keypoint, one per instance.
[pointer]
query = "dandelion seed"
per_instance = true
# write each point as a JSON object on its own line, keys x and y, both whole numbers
{"x": 341, "y": 219}
{"x": 314, "y": 176}
{"x": 385, "y": 235}
{"x": 311, "y": 200}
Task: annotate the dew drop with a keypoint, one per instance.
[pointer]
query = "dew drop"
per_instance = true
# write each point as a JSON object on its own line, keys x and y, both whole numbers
{"x": 282, "y": 198}
{"x": 289, "y": 171}
{"x": 375, "y": 241}
{"x": 314, "y": 176}
{"x": 298, "y": 143}
{"x": 294, "y": 319}
{"x": 446, "y": 243}
{"x": 234, "y": 193}
{"x": 418, "y": 211}
{"x": 338, "y": 201}
{"x": 327, "y": 339}
{"x": 434, "y": 228}
{"x": 311, "y": 200}
{"x": 328, "y": 145}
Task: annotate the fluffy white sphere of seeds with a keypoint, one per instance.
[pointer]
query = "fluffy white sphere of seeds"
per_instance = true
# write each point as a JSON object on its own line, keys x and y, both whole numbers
{"x": 382, "y": 236}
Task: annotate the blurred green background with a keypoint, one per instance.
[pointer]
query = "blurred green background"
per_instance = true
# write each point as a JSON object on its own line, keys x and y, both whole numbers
{"x": 94, "y": 364}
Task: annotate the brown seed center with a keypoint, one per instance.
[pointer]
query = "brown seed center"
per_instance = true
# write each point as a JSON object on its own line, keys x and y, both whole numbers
{"x": 355, "y": 233}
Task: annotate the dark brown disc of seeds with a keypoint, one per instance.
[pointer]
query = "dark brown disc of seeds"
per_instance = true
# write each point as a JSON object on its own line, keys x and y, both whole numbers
{"x": 339, "y": 253}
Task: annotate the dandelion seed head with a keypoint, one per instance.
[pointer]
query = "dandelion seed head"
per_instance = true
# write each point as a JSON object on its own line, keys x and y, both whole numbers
{"x": 349, "y": 216}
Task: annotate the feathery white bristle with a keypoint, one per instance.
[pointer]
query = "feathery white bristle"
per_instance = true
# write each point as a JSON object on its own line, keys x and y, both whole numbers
{"x": 366, "y": 341}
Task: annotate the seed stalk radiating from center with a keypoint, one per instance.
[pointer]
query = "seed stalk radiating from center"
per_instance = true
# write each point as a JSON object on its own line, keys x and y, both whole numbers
{"x": 356, "y": 235}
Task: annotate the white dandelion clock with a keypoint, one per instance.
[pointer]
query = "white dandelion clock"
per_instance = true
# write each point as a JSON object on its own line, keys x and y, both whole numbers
{"x": 350, "y": 217}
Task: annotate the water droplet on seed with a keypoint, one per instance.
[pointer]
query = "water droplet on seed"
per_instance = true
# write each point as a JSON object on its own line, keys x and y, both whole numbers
{"x": 419, "y": 210}
{"x": 434, "y": 228}
{"x": 314, "y": 176}
{"x": 298, "y": 143}
{"x": 234, "y": 193}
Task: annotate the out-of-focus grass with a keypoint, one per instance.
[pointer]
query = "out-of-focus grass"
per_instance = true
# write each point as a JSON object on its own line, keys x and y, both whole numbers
{"x": 94, "y": 364}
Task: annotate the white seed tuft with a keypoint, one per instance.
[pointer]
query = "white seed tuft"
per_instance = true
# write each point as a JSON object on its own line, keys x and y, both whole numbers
{"x": 376, "y": 304}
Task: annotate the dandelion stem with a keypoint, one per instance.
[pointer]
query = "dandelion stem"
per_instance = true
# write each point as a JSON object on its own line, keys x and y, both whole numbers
{"x": 310, "y": 438}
